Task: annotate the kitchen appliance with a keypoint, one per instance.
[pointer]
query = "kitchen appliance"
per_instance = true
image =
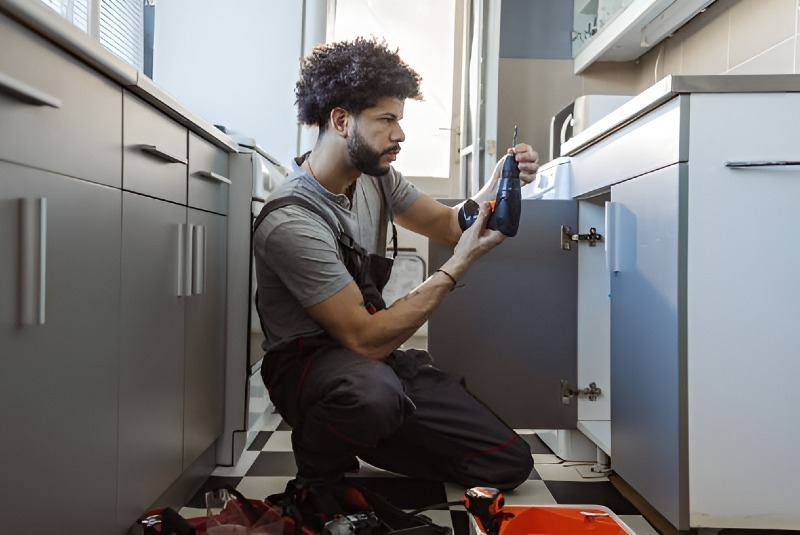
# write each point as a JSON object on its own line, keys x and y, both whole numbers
{"x": 578, "y": 116}
{"x": 254, "y": 175}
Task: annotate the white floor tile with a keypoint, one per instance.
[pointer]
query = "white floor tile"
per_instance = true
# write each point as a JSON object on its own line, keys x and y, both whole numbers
{"x": 240, "y": 469}
{"x": 454, "y": 492}
{"x": 271, "y": 421}
{"x": 192, "y": 512}
{"x": 279, "y": 441}
{"x": 531, "y": 492}
{"x": 546, "y": 458}
{"x": 564, "y": 472}
{"x": 259, "y": 487}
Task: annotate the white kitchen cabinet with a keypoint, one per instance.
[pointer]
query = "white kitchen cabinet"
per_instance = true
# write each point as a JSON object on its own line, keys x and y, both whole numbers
{"x": 703, "y": 300}
{"x": 59, "y": 346}
{"x": 703, "y": 179}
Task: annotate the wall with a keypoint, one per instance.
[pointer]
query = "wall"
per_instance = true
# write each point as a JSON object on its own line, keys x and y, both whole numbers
{"x": 730, "y": 37}
{"x": 235, "y": 67}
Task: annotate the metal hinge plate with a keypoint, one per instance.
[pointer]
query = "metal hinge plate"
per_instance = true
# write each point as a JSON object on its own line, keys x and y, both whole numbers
{"x": 567, "y": 392}
{"x": 567, "y": 237}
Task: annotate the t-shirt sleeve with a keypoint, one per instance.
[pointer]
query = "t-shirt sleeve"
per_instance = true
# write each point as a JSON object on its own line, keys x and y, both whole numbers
{"x": 299, "y": 247}
{"x": 404, "y": 193}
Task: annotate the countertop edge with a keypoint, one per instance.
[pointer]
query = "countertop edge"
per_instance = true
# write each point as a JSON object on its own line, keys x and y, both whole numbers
{"x": 671, "y": 86}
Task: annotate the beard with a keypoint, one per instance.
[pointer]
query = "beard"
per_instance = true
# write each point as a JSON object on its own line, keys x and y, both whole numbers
{"x": 365, "y": 158}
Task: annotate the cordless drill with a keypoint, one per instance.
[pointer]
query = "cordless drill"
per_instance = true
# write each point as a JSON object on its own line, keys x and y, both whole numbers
{"x": 507, "y": 206}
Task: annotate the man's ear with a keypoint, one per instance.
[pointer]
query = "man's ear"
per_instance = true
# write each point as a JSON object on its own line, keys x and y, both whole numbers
{"x": 338, "y": 121}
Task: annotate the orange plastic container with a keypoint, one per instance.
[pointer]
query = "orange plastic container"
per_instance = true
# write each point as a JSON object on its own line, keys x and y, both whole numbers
{"x": 559, "y": 520}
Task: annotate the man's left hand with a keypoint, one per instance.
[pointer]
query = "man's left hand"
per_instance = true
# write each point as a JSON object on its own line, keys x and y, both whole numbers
{"x": 527, "y": 159}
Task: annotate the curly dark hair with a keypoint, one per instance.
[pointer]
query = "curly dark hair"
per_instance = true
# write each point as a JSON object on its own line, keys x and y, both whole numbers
{"x": 352, "y": 75}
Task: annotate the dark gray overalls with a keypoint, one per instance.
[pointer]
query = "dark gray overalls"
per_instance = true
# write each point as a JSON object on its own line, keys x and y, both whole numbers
{"x": 403, "y": 414}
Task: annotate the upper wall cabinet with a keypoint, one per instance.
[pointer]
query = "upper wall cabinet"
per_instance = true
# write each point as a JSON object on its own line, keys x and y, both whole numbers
{"x": 623, "y": 30}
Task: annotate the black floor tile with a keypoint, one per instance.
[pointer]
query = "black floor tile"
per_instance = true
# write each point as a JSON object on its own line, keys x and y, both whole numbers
{"x": 534, "y": 474}
{"x": 283, "y": 426}
{"x": 260, "y": 441}
{"x": 536, "y": 444}
{"x": 273, "y": 463}
{"x": 595, "y": 493}
{"x": 198, "y": 501}
{"x": 405, "y": 493}
{"x": 460, "y": 521}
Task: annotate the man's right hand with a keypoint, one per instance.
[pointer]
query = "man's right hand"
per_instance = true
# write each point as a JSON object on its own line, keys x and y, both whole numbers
{"x": 476, "y": 241}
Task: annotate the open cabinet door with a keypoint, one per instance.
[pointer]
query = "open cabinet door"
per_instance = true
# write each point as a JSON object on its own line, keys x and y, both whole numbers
{"x": 510, "y": 328}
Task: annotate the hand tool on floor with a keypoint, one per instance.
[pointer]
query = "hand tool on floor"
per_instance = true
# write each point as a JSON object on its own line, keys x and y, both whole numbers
{"x": 485, "y": 504}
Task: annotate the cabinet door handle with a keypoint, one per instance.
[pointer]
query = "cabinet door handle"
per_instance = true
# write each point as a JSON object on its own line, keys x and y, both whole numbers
{"x": 160, "y": 154}
{"x": 184, "y": 275}
{"x": 773, "y": 163}
{"x": 25, "y": 93}
{"x": 612, "y": 230}
{"x": 33, "y": 260}
{"x": 199, "y": 260}
{"x": 620, "y": 238}
{"x": 214, "y": 176}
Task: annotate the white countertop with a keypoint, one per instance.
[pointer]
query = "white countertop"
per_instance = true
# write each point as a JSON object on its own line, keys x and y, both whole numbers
{"x": 668, "y": 88}
{"x": 53, "y": 27}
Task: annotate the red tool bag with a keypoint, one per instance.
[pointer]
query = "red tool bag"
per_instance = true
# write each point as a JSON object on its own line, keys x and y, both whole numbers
{"x": 354, "y": 511}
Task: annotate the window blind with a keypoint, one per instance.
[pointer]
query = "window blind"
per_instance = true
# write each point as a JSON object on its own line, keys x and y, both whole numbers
{"x": 120, "y": 24}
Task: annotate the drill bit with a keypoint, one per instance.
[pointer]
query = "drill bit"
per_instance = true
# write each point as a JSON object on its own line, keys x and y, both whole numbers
{"x": 514, "y": 141}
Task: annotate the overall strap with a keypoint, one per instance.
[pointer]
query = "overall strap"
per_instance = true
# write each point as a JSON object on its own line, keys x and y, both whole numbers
{"x": 387, "y": 201}
{"x": 333, "y": 223}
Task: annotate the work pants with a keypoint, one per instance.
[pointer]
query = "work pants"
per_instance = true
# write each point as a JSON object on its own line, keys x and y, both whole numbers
{"x": 403, "y": 415}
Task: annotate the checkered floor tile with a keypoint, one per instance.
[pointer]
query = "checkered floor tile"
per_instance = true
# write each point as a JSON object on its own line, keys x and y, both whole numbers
{"x": 268, "y": 464}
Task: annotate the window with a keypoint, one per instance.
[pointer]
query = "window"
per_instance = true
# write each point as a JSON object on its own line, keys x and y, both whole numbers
{"x": 117, "y": 24}
{"x": 423, "y": 31}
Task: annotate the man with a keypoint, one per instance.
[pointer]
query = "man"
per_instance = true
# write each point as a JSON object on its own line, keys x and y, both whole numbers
{"x": 332, "y": 366}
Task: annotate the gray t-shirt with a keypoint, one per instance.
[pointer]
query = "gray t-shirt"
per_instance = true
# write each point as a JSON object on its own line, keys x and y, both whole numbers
{"x": 297, "y": 256}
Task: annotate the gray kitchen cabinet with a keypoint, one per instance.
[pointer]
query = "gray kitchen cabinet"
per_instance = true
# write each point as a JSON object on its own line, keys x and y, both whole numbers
{"x": 46, "y": 99}
{"x": 59, "y": 341}
{"x": 155, "y": 271}
{"x": 155, "y": 152}
{"x": 208, "y": 176}
{"x": 515, "y": 313}
{"x": 171, "y": 376}
{"x": 204, "y": 373}
{"x": 112, "y": 285}
{"x": 646, "y": 246}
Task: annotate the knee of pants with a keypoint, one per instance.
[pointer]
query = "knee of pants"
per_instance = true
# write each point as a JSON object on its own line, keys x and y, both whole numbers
{"x": 376, "y": 396}
{"x": 511, "y": 468}
{"x": 520, "y": 467}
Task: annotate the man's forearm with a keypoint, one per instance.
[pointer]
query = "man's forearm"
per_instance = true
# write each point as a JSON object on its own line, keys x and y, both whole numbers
{"x": 400, "y": 321}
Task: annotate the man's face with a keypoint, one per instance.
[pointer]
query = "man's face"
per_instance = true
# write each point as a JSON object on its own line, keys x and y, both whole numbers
{"x": 375, "y": 137}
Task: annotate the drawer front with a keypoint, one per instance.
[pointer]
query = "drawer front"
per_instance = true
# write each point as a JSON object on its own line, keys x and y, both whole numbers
{"x": 209, "y": 177}
{"x": 649, "y": 143}
{"x": 154, "y": 160}
{"x": 56, "y": 113}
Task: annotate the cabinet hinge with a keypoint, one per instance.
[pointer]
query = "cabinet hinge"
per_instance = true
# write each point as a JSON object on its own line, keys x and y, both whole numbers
{"x": 567, "y": 392}
{"x": 567, "y": 237}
